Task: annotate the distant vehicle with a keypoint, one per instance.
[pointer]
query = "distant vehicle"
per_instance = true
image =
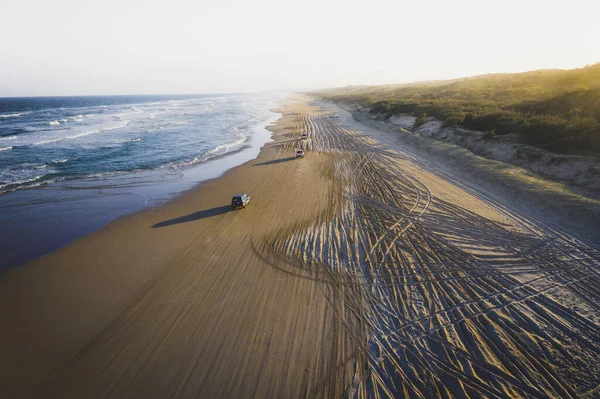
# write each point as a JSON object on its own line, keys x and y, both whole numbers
{"x": 334, "y": 116}
{"x": 299, "y": 154}
{"x": 304, "y": 135}
{"x": 240, "y": 200}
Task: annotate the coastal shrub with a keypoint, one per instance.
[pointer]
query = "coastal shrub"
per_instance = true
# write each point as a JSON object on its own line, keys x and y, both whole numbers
{"x": 381, "y": 107}
{"x": 490, "y": 134}
{"x": 454, "y": 119}
{"x": 421, "y": 119}
{"x": 556, "y": 110}
{"x": 529, "y": 154}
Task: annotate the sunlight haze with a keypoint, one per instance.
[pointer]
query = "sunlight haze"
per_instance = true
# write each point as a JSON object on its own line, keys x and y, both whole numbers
{"x": 67, "y": 47}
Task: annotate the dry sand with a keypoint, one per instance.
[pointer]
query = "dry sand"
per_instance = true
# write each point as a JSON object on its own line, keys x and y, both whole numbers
{"x": 357, "y": 271}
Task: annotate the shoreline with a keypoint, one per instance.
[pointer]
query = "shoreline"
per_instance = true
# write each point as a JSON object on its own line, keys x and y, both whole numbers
{"x": 58, "y": 305}
{"x": 82, "y": 206}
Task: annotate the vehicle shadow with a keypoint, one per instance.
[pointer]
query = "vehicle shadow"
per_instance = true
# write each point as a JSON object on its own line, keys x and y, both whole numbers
{"x": 274, "y": 161}
{"x": 219, "y": 210}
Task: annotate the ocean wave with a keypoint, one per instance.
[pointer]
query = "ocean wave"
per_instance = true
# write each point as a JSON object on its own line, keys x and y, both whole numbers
{"x": 16, "y": 133}
{"x": 12, "y": 115}
{"x": 112, "y": 144}
{"x": 31, "y": 183}
{"x": 214, "y": 152}
{"x": 26, "y": 175}
{"x": 51, "y": 177}
{"x": 243, "y": 125}
{"x": 223, "y": 148}
{"x": 185, "y": 141}
{"x": 75, "y": 118}
{"x": 76, "y": 136}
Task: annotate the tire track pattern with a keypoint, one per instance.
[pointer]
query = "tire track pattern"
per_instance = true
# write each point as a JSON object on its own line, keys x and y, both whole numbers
{"x": 439, "y": 300}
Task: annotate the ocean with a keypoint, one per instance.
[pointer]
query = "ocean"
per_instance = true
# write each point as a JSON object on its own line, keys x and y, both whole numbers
{"x": 69, "y": 165}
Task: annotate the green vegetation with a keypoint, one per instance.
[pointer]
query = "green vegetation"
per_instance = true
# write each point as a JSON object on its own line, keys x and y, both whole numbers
{"x": 421, "y": 119}
{"x": 558, "y": 110}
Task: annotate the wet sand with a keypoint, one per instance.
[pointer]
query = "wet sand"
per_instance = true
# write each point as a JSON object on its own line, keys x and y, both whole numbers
{"x": 174, "y": 301}
{"x": 356, "y": 271}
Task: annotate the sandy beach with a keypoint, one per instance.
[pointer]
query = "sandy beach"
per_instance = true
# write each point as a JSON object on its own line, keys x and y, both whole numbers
{"x": 357, "y": 271}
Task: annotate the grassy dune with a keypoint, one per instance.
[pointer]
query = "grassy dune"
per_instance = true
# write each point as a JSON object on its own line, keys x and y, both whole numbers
{"x": 558, "y": 110}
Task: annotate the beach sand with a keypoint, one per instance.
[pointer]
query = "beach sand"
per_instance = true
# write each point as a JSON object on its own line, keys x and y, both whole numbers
{"x": 174, "y": 301}
{"x": 361, "y": 270}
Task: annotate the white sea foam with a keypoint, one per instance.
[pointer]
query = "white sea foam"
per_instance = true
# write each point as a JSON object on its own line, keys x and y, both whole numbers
{"x": 76, "y": 136}
{"x": 77, "y": 118}
{"x": 29, "y": 183}
{"x": 223, "y": 148}
{"x": 218, "y": 150}
{"x": 54, "y": 123}
{"x": 11, "y": 115}
{"x": 102, "y": 175}
{"x": 97, "y": 121}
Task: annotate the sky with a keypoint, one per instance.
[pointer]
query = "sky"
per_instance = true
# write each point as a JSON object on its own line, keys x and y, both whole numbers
{"x": 84, "y": 47}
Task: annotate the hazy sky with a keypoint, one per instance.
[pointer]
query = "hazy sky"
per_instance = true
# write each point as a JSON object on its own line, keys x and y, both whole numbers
{"x": 63, "y": 47}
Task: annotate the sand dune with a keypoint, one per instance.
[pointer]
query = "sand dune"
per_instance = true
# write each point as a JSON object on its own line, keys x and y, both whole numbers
{"x": 357, "y": 271}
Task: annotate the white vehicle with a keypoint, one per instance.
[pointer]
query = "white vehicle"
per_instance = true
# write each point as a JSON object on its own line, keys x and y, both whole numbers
{"x": 304, "y": 135}
{"x": 299, "y": 154}
{"x": 334, "y": 116}
{"x": 240, "y": 201}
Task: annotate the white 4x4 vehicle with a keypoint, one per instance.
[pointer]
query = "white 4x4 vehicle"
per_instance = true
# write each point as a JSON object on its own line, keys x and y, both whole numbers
{"x": 240, "y": 201}
{"x": 304, "y": 135}
{"x": 299, "y": 154}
